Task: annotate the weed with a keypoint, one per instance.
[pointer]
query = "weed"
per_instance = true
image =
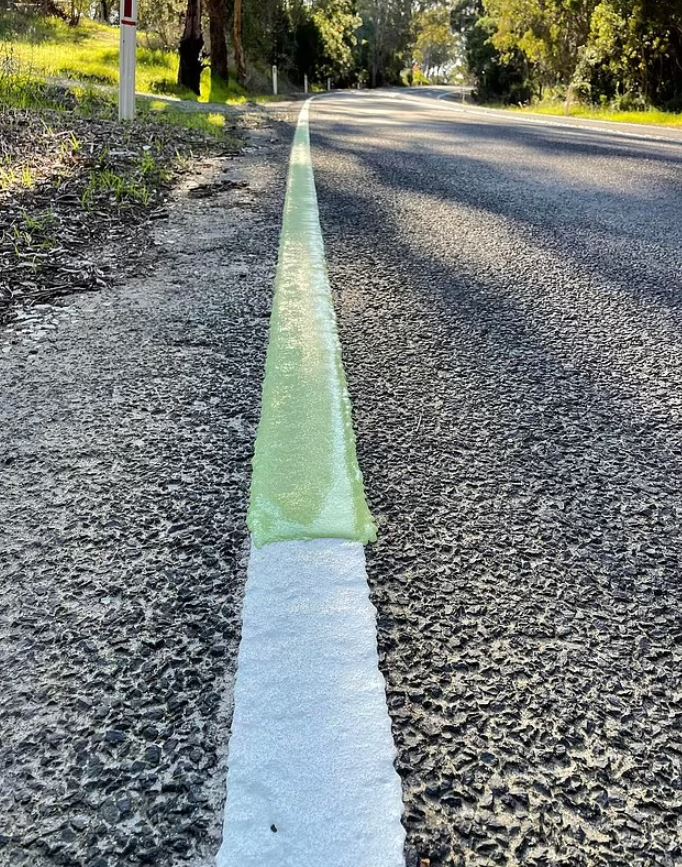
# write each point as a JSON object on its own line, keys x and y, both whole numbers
{"x": 28, "y": 178}
{"x": 39, "y": 222}
{"x": 8, "y": 178}
{"x": 126, "y": 189}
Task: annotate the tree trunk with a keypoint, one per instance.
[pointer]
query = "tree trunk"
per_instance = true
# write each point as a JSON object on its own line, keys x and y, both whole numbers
{"x": 191, "y": 43}
{"x": 237, "y": 32}
{"x": 75, "y": 16}
{"x": 217, "y": 28}
{"x": 49, "y": 7}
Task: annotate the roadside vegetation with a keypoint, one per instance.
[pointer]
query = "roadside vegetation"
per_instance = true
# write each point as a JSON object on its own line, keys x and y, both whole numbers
{"x": 47, "y": 47}
{"x": 608, "y": 59}
{"x": 615, "y": 58}
{"x": 78, "y": 189}
{"x": 558, "y": 108}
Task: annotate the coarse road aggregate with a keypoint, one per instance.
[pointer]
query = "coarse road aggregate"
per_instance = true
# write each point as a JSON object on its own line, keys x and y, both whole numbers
{"x": 128, "y": 419}
{"x": 508, "y": 298}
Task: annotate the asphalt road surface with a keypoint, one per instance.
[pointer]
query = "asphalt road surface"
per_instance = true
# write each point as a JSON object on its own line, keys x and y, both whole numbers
{"x": 508, "y": 295}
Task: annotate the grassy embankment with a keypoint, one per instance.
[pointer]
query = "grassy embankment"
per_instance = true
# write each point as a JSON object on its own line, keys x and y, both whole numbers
{"x": 73, "y": 181}
{"x": 89, "y": 53}
{"x": 652, "y": 117}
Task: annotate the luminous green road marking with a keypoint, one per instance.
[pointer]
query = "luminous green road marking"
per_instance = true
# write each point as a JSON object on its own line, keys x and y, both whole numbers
{"x": 306, "y": 480}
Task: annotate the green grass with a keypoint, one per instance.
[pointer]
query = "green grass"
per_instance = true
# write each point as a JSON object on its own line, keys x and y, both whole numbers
{"x": 11, "y": 177}
{"x": 136, "y": 185}
{"x": 557, "y": 109}
{"x": 210, "y": 123}
{"x": 47, "y": 47}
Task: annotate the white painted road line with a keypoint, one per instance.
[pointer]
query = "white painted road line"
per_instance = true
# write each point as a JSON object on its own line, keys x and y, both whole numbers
{"x": 311, "y": 780}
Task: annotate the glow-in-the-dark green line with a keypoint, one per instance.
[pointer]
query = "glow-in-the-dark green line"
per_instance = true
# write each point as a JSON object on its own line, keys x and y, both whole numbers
{"x": 306, "y": 480}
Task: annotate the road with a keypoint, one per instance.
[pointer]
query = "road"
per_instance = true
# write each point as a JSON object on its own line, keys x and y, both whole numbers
{"x": 507, "y": 292}
{"x": 508, "y": 297}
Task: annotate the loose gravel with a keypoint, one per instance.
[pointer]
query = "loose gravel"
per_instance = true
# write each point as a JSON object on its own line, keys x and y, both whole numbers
{"x": 509, "y": 311}
{"x": 128, "y": 419}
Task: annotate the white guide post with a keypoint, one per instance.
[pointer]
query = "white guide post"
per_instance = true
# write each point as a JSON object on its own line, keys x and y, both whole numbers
{"x": 329, "y": 84}
{"x": 274, "y": 80}
{"x": 126, "y": 88}
{"x": 305, "y": 84}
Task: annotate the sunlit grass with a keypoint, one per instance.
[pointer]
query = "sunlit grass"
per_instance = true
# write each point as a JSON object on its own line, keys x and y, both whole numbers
{"x": 210, "y": 123}
{"x": 652, "y": 116}
{"x": 89, "y": 53}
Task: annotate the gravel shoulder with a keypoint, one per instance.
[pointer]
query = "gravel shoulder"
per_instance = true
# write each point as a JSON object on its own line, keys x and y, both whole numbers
{"x": 509, "y": 311}
{"x": 128, "y": 420}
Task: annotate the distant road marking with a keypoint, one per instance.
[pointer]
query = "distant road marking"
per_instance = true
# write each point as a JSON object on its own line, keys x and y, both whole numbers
{"x": 513, "y": 117}
{"x": 311, "y": 778}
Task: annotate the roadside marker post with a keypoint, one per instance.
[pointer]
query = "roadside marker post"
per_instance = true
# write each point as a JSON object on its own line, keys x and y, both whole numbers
{"x": 128, "y": 40}
{"x": 329, "y": 84}
{"x": 305, "y": 84}
{"x": 274, "y": 80}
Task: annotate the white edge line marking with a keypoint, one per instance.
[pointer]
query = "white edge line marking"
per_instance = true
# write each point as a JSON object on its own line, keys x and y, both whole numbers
{"x": 311, "y": 777}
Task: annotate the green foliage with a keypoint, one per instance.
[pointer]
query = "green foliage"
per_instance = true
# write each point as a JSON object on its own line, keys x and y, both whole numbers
{"x": 316, "y": 38}
{"x": 383, "y": 40}
{"x": 33, "y": 49}
{"x": 213, "y": 124}
{"x": 495, "y": 78}
{"x": 607, "y": 113}
{"x": 435, "y": 44}
{"x": 159, "y": 22}
{"x": 124, "y": 189}
{"x": 337, "y": 25}
{"x": 625, "y": 54}
{"x": 548, "y": 33}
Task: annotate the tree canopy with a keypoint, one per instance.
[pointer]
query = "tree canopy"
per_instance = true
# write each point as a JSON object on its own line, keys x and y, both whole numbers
{"x": 627, "y": 51}
{"x": 622, "y": 53}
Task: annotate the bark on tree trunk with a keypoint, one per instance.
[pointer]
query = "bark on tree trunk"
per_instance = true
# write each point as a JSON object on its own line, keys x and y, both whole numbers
{"x": 217, "y": 28}
{"x": 191, "y": 43}
{"x": 237, "y": 31}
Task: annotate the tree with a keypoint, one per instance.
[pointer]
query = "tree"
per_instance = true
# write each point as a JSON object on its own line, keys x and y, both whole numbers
{"x": 158, "y": 22}
{"x": 384, "y": 38}
{"x": 238, "y": 41}
{"x": 217, "y": 30}
{"x": 634, "y": 53}
{"x": 549, "y": 33}
{"x": 191, "y": 45}
{"x": 494, "y": 78}
{"x": 435, "y": 45}
{"x": 337, "y": 24}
